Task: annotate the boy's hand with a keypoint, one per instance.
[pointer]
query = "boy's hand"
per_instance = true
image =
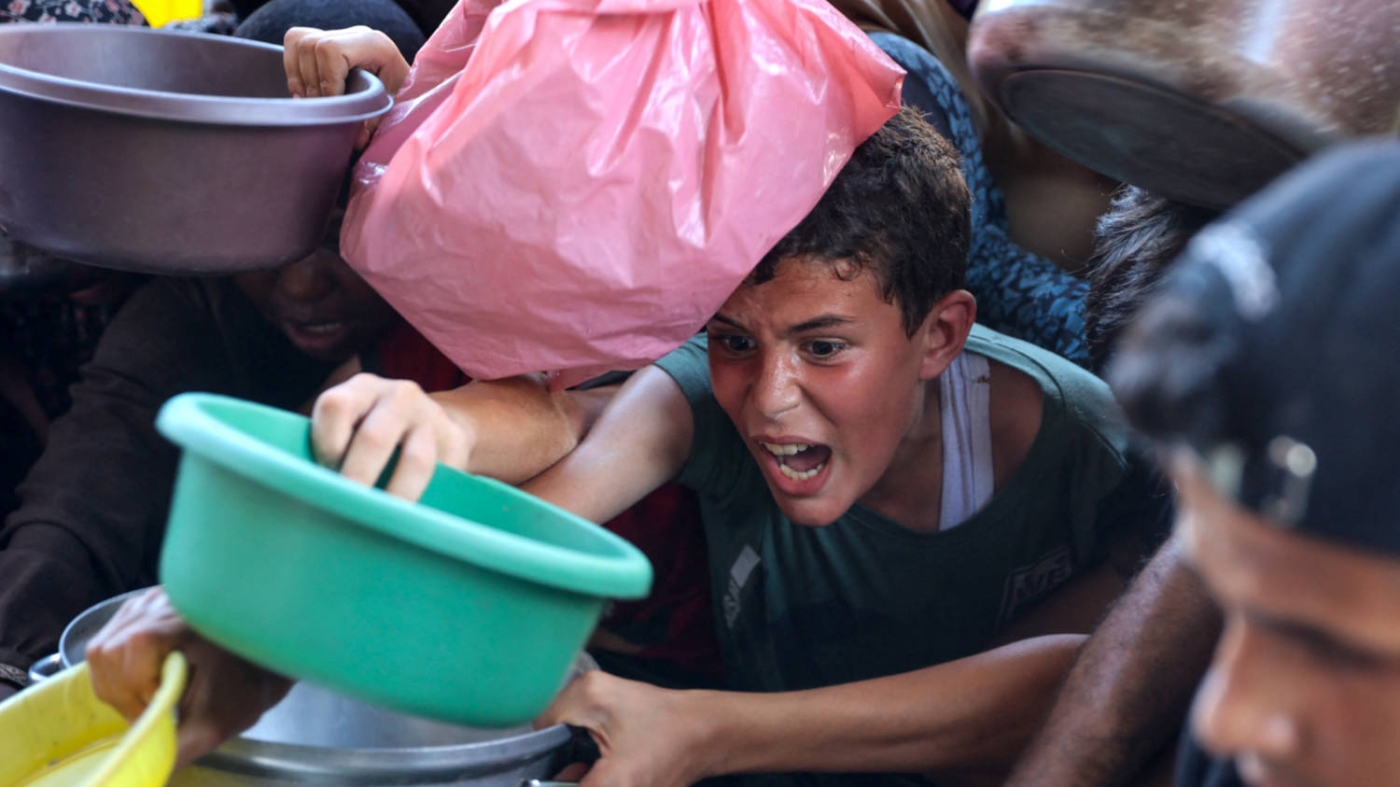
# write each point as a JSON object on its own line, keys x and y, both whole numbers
{"x": 357, "y": 425}
{"x": 224, "y": 696}
{"x": 646, "y": 736}
{"x": 318, "y": 62}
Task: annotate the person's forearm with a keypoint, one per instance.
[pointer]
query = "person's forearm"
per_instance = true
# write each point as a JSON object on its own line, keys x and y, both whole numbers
{"x": 1130, "y": 688}
{"x": 638, "y": 442}
{"x": 519, "y": 427}
{"x": 973, "y": 715}
{"x": 48, "y": 581}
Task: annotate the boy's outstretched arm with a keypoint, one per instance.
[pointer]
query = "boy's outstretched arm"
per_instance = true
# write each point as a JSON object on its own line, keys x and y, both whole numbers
{"x": 1128, "y": 693}
{"x": 962, "y": 722}
{"x": 508, "y": 429}
{"x": 639, "y": 442}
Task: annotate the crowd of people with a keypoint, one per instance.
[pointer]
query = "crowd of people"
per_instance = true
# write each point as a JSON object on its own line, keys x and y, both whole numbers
{"x": 992, "y": 471}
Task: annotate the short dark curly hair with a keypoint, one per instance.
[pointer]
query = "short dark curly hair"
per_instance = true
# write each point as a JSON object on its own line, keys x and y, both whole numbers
{"x": 899, "y": 207}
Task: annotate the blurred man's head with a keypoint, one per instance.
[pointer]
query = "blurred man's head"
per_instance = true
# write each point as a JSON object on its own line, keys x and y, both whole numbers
{"x": 1267, "y": 369}
{"x": 1135, "y": 243}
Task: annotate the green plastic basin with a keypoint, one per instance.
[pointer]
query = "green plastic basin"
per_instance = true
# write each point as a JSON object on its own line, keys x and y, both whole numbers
{"x": 468, "y": 606}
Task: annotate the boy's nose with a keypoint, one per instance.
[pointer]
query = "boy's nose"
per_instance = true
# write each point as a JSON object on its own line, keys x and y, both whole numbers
{"x": 778, "y": 388}
{"x": 1241, "y": 708}
{"x": 305, "y": 280}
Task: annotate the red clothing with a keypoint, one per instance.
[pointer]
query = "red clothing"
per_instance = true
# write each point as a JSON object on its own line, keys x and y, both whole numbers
{"x": 674, "y": 624}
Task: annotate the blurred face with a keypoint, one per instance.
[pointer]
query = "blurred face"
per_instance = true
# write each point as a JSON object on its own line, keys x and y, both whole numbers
{"x": 321, "y": 304}
{"x": 1305, "y": 686}
{"x": 824, "y": 384}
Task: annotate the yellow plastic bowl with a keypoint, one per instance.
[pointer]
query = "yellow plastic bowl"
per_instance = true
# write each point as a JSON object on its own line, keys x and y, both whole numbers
{"x": 159, "y": 13}
{"x": 58, "y": 734}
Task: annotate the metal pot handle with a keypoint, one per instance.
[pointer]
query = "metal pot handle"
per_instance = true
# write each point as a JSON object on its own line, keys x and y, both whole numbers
{"x": 581, "y": 748}
{"x": 45, "y": 668}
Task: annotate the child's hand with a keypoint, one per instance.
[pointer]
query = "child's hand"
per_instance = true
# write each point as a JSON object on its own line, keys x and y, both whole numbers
{"x": 318, "y": 62}
{"x": 225, "y": 694}
{"x": 646, "y": 736}
{"x": 357, "y": 425}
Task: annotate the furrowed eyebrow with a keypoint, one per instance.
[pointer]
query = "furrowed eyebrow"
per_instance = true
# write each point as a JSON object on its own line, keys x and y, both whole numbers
{"x": 819, "y": 323}
{"x": 726, "y": 321}
{"x": 825, "y": 321}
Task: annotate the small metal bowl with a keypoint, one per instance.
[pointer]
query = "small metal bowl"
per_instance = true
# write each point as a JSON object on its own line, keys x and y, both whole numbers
{"x": 167, "y": 152}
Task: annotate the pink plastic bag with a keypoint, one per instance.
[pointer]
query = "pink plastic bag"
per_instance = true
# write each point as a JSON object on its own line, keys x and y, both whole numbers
{"x": 577, "y": 185}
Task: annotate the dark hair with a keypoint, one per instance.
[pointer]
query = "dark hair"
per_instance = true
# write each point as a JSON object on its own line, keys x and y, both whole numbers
{"x": 1135, "y": 242}
{"x": 269, "y": 21}
{"x": 898, "y": 207}
{"x": 1171, "y": 374}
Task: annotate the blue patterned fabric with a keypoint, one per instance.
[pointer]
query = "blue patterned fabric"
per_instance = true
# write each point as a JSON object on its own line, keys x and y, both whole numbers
{"x": 1018, "y": 293}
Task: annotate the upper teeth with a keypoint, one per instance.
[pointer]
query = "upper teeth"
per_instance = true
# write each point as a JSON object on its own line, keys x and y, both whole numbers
{"x": 789, "y": 449}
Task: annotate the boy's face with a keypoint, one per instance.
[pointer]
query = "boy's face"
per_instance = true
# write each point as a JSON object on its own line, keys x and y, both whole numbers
{"x": 1304, "y": 690}
{"x": 322, "y": 305}
{"x": 822, "y": 382}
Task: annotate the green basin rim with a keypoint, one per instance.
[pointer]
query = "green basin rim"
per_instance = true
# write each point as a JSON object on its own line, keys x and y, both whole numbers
{"x": 185, "y": 421}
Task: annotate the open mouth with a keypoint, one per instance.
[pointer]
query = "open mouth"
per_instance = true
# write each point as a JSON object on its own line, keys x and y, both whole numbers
{"x": 320, "y": 328}
{"x": 317, "y": 337}
{"x": 799, "y": 461}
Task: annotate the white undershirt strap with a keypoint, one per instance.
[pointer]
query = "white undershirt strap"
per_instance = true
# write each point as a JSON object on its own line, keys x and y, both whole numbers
{"x": 964, "y": 391}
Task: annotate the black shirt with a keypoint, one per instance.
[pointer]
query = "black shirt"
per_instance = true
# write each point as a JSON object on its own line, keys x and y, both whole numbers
{"x": 93, "y": 509}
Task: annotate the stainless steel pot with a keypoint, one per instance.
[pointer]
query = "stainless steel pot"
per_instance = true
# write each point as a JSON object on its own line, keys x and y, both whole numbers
{"x": 1201, "y": 100}
{"x": 315, "y": 736}
{"x": 167, "y": 152}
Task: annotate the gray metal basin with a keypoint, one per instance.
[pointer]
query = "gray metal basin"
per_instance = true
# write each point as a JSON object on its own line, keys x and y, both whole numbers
{"x": 167, "y": 152}
{"x": 316, "y": 736}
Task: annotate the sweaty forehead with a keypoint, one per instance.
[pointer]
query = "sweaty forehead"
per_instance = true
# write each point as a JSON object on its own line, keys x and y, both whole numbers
{"x": 800, "y": 289}
{"x": 1255, "y": 565}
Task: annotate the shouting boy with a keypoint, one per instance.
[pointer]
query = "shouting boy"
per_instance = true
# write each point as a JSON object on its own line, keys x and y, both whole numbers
{"x": 888, "y": 492}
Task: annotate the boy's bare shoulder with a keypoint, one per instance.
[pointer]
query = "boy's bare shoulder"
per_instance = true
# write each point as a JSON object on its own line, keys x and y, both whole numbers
{"x": 1016, "y": 408}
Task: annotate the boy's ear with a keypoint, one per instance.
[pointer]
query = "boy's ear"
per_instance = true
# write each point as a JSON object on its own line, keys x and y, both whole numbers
{"x": 944, "y": 331}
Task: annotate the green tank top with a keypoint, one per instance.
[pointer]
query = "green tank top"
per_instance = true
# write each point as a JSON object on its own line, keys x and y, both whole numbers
{"x": 802, "y": 607}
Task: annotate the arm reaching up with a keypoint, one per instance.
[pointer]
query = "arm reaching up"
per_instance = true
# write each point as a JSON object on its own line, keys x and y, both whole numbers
{"x": 1129, "y": 690}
